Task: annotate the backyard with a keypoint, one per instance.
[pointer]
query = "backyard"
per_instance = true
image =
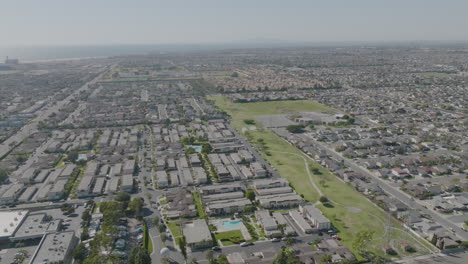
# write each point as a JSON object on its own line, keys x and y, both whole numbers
{"x": 229, "y": 237}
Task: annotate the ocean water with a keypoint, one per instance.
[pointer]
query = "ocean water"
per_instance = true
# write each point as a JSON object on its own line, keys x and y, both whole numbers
{"x": 35, "y": 53}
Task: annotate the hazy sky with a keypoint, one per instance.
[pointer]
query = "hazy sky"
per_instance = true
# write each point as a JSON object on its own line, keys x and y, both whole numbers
{"x": 31, "y": 22}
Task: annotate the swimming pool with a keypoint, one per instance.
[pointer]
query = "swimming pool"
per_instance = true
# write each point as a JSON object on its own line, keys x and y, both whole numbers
{"x": 197, "y": 148}
{"x": 231, "y": 224}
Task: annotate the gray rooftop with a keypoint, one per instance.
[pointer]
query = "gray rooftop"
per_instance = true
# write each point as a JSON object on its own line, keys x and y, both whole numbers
{"x": 196, "y": 231}
{"x": 54, "y": 248}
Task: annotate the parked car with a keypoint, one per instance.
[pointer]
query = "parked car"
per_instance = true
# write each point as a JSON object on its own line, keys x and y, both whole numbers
{"x": 275, "y": 240}
{"x": 216, "y": 248}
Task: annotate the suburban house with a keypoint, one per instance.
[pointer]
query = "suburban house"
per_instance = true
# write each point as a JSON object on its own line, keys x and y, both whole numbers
{"x": 315, "y": 217}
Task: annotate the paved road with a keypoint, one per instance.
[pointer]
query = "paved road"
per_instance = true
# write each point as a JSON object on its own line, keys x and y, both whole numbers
{"x": 460, "y": 257}
{"x": 153, "y": 212}
{"x": 257, "y": 247}
{"x": 392, "y": 190}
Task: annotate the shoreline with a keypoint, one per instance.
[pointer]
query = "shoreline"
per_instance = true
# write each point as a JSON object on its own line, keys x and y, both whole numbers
{"x": 63, "y": 59}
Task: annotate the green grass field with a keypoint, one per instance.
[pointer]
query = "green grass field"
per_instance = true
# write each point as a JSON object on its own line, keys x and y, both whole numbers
{"x": 343, "y": 214}
{"x": 241, "y": 111}
{"x": 175, "y": 229}
{"x": 199, "y": 205}
{"x": 147, "y": 241}
{"x": 229, "y": 237}
{"x": 60, "y": 164}
{"x": 434, "y": 74}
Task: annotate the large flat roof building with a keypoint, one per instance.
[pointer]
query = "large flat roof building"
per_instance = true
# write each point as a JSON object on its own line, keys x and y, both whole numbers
{"x": 55, "y": 248}
{"x": 35, "y": 225}
{"x": 197, "y": 233}
{"x": 9, "y": 223}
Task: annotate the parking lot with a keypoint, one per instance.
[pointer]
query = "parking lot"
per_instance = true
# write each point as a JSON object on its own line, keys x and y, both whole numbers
{"x": 8, "y": 256}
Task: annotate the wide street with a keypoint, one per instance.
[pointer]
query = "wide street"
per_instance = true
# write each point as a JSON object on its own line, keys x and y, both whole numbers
{"x": 258, "y": 246}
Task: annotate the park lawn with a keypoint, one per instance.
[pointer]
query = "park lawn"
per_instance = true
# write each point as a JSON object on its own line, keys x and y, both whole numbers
{"x": 225, "y": 237}
{"x": 147, "y": 241}
{"x": 291, "y": 167}
{"x": 60, "y": 164}
{"x": 241, "y": 111}
{"x": 199, "y": 205}
{"x": 76, "y": 183}
{"x": 150, "y": 245}
{"x": 175, "y": 229}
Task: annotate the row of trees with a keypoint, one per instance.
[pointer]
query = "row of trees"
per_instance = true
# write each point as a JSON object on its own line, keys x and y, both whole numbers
{"x": 112, "y": 211}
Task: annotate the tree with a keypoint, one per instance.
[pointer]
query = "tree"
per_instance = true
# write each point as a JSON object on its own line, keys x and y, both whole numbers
{"x": 72, "y": 156}
{"x": 136, "y": 205}
{"x": 156, "y": 221}
{"x": 139, "y": 255}
{"x": 295, "y": 128}
{"x": 293, "y": 259}
{"x": 323, "y": 199}
{"x": 327, "y": 258}
{"x": 250, "y": 194}
{"x": 235, "y": 75}
{"x": 187, "y": 140}
{"x": 122, "y": 197}
{"x": 379, "y": 260}
{"x": 67, "y": 208}
{"x": 281, "y": 228}
{"x": 190, "y": 151}
{"x": 21, "y": 159}
{"x": 434, "y": 239}
{"x": 182, "y": 245}
{"x": 249, "y": 121}
{"x": 206, "y": 148}
{"x": 361, "y": 239}
{"x": 281, "y": 258}
{"x": 86, "y": 216}
{"x": 3, "y": 176}
{"x": 210, "y": 256}
{"x": 85, "y": 234}
{"x": 316, "y": 171}
{"x": 222, "y": 259}
{"x": 79, "y": 254}
{"x": 286, "y": 256}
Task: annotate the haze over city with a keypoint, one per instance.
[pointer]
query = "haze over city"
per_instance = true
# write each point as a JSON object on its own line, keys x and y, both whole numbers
{"x": 233, "y": 132}
{"x": 55, "y": 22}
